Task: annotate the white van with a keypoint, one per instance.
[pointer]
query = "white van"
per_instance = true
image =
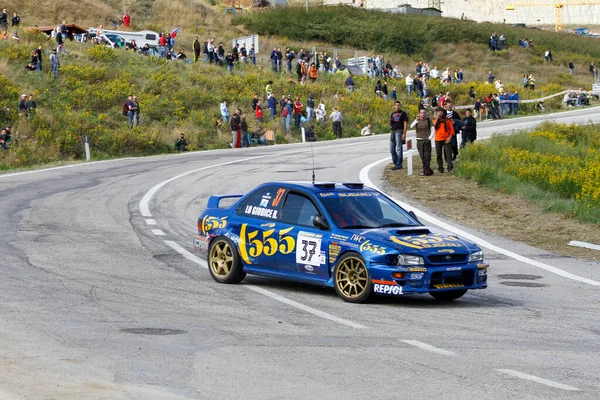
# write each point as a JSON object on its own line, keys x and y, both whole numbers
{"x": 141, "y": 37}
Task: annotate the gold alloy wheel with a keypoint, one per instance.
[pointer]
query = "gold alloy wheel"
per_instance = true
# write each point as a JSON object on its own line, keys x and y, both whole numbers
{"x": 352, "y": 277}
{"x": 221, "y": 258}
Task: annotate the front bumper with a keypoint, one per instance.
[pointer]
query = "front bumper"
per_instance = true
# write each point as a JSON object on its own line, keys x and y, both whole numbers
{"x": 392, "y": 280}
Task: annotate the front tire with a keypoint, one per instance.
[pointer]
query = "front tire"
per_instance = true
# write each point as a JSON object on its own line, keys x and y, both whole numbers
{"x": 351, "y": 279}
{"x": 224, "y": 261}
{"x": 448, "y": 295}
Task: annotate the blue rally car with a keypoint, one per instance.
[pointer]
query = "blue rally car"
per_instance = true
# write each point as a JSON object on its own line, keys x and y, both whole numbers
{"x": 346, "y": 236}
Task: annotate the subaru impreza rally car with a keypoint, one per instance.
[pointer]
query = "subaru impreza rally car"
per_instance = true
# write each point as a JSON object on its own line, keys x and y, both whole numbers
{"x": 346, "y": 236}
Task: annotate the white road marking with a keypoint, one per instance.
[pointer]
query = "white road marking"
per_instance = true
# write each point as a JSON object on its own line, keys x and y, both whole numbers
{"x": 150, "y": 221}
{"x": 586, "y": 245}
{"x": 428, "y": 347}
{"x": 364, "y": 177}
{"x": 537, "y": 379}
{"x": 158, "y": 232}
{"x": 175, "y": 246}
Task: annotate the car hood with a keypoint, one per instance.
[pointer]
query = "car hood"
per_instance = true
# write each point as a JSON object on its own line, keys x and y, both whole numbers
{"x": 418, "y": 240}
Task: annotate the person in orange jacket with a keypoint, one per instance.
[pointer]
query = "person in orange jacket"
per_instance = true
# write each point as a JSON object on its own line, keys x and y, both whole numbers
{"x": 444, "y": 130}
{"x": 313, "y": 72}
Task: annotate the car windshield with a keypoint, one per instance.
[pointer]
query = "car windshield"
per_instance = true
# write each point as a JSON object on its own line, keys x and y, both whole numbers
{"x": 361, "y": 210}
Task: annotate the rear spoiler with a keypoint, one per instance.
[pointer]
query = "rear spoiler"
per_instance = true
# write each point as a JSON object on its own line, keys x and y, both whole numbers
{"x": 213, "y": 201}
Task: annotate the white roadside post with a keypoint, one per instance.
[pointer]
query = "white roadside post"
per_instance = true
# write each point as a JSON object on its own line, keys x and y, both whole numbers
{"x": 303, "y": 135}
{"x": 87, "y": 148}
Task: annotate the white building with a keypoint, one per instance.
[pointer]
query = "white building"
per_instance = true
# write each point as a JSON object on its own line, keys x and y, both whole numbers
{"x": 495, "y": 10}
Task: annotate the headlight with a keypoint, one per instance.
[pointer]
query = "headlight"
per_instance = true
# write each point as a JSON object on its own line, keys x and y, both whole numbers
{"x": 405, "y": 259}
{"x": 476, "y": 257}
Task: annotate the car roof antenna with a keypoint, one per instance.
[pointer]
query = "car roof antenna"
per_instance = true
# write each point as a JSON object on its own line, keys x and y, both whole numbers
{"x": 313, "y": 162}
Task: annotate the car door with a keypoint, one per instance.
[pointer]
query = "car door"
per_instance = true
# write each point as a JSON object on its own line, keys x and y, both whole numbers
{"x": 257, "y": 224}
{"x": 309, "y": 261}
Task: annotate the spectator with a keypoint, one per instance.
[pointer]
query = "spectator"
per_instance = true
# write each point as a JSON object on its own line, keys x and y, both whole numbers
{"x": 126, "y": 20}
{"x": 548, "y": 56}
{"x": 425, "y": 84}
{"x": 134, "y": 112}
{"x": 409, "y": 83}
{"x": 366, "y": 131}
{"x": 525, "y": 81}
{"x": 244, "y": 129}
{"x": 181, "y": 143}
{"x": 272, "y": 105}
{"x": 472, "y": 92}
{"x": 571, "y": 67}
{"x": 258, "y": 111}
{"x": 477, "y": 109}
{"x": 384, "y": 90}
{"x": 59, "y": 42}
{"x": 229, "y": 60}
{"x": 320, "y": 113}
{"x": 310, "y": 107}
{"x": 515, "y": 106}
{"x": 15, "y": 36}
{"x": 444, "y": 130}
{"x": 16, "y": 20}
{"x": 531, "y": 82}
{"x": 31, "y": 106}
{"x": 424, "y": 132}
{"x": 196, "y": 47}
{"x": 490, "y": 77}
{"x": 4, "y": 23}
{"x": 5, "y": 138}
{"x": 224, "y": 112}
{"x": 39, "y": 56}
{"x": 287, "y": 112}
{"x": 394, "y": 94}
{"x": 336, "y": 117}
{"x": 22, "y": 105}
{"x": 252, "y": 54}
{"x": 244, "y": 54}
{"x": 434, "y": 73}
{"x": 592, "y": 68}
{"x": 254, "y": 102}
{"x": 181, "y": 55}
{"x": 398, "y": 123}
{"x": 236, "y": 129}
{"x": 378, "y": 88}
{"x": 468, "y": 129}
{"x": 313, "y": 72}
{"x": 309, "y": 134}
{"x": 452, "y": 115}
{"x": 279, "y": 59}
{"x": 30, "y": 68}
{"x": 350, "y": 83}
{"x": 298, "y": 108}
{"x": 162, "y": 45}
{"x": 259, "y": 136}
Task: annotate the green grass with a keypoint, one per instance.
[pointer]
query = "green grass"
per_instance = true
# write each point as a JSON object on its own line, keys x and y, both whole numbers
{"x": 557, "y": 166}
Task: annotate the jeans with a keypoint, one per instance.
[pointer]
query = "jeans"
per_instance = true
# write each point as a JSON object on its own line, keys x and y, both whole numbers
{"x": 409, "y": 88}
{"x": 297, "y": 120}
{"x": 225, "y": 118}
{"x": 253, "y": 59}
{"x": 230, "y": 68}
{"x": 133, "y": 117}
{"x": 162, "y": 51}
{"x": 245, "y": 139}
{"x": 54, "y": 70}
{"x": 288, "y": 66}
{"x": 288, "y": 122}
{"x": 309, "y": 114}
{"x": 272, "y": 113}
{"x": 396, "y": 148}
{"x": 337, "y": 128}
{"x": 351, "y": 88}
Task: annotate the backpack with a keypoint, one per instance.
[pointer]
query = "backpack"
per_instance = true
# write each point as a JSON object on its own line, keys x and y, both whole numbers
{"x": 126, "y": 108}
{"x": 284, "y": 112}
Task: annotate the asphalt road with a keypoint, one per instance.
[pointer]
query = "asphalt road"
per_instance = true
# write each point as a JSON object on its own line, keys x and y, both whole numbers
{"x": 101, "y": 299}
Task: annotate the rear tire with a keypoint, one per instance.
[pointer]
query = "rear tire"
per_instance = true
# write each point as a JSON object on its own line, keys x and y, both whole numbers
{"x": 448, "y": 295}
{"x": 351, "y": 279}
{"x": 224, "y": 261}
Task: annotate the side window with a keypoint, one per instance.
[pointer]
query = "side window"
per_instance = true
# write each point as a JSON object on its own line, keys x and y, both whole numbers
{"x": 264, "y": 203}
{"x": 298, "y": 210}
{"x": 150, "y": 37}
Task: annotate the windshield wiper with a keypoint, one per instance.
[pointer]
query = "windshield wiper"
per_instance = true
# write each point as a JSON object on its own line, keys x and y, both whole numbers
{"x": 394, "y": 225}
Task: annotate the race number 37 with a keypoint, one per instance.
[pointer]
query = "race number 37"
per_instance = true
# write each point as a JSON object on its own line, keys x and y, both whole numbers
{"x": 308, "y": 250}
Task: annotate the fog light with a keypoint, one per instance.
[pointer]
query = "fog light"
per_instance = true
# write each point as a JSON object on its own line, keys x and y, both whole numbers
{"x": 482, "y": 272}
{"x": 398, "y": 275}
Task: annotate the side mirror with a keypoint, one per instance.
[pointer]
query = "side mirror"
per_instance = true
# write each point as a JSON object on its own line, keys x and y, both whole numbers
{"x": 412, "y": 214}
{"x": 319, "y": 222}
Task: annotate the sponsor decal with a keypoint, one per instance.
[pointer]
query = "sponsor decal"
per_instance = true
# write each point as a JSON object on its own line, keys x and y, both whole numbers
{"x": 416, "y": 276}
{"x": 355, "y": 194}
{"x": 445, "y": 251}
{"x": 201, "y": 242}
{"x": 323, "y": 257}
{"x": 326, "y": 194}
{"x": 335, "y": 236}
{"x": 372, "y": 248}
{"x": 357, "y": 238}
{"x": 414, "y": 269}
{"x": 334, "y": 252}
{"x": 448, "y": 285}
{"x": 453, "y": 269}
{"x": 261, "y": 212}
{"x": 349, "y": 244}
{"x": 309, "y": 249}
{"x": 386, "y": 287}
{"x": 256, "y": 243}
{"x": 264, "y": 202}
{"x": 268, "y": 225}
{"x": 209, "y": 223}
{"x": 426, "y": 241}
{"x": 309, "y": 268}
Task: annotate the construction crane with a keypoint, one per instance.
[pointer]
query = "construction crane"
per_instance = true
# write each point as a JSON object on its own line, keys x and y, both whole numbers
{"x": 558, "y": 8}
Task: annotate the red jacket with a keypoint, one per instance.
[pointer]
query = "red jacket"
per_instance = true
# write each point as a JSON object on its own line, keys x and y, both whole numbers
{"x": 162, "y": 41}
{"x": 258, "y": 112}
{"x": 298, "y": 107}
